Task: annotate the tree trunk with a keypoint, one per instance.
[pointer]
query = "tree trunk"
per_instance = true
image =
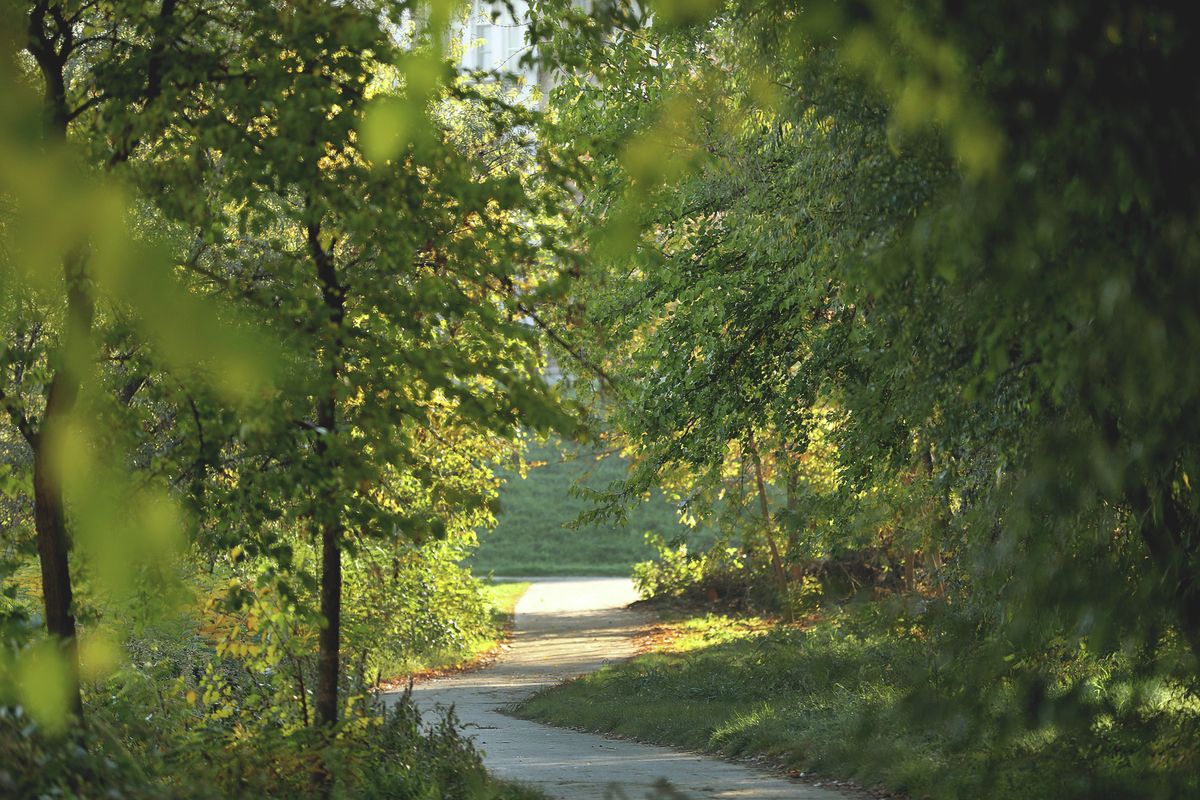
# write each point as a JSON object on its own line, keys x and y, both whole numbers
{"x": 329, "y": 653}
{"x": 49, "y": 508}
{"x": 776, "y": 559}
{"x": 51, "y": 42}
{"x": 50, "y": 522}
{"x": 301, "y": 687}
{"x": 329, "y": 642}
{"x": 937, "y": 529}
{"x": 50, "y": 48}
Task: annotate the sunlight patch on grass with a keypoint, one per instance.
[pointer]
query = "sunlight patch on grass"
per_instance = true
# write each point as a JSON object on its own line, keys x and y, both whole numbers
{"x": 742, "y": 723}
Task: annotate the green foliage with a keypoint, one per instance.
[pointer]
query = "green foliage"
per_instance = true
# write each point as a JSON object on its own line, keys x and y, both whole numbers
{"x": 899, "y": 287}
{"x": 895, "y": 290}
{"x": 387, "y": 754}
{"x": 263, "y": 278}
{"x": 203, "y": 708}
{"x": 410, "y": 603}
{"x": 681, "y": 572}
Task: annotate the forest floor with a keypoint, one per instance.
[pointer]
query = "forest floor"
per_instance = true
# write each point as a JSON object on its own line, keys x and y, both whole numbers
{"x": 564, "y": 628}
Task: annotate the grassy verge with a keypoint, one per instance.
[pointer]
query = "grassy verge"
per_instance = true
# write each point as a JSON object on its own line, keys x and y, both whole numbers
{"x": 532, "y": 537}
{"x": 507, "y": 790}
{"x": 504, "y": 598}
{"x": 831, "y": 697}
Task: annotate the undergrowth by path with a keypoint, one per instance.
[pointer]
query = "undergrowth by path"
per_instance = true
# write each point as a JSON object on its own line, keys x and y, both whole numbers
{"x": 470, "y": 652}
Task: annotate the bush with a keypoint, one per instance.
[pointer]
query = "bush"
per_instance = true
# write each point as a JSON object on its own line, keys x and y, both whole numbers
{"x": 218, "y": 703}
{"x": 741, "y": 577}
{"x": 717, "y": 573}
{"x": 33, "y": 764}
{"x": 406, "y": 603}
{"x": 382, "y": 753}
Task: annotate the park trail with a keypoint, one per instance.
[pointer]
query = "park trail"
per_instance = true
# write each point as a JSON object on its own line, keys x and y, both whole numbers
{"x": 566, "y": 627}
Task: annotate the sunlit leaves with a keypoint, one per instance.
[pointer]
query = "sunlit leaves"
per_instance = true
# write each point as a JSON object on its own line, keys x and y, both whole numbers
{"x": 399, "y": 116}
{"x": 298, "y": 254}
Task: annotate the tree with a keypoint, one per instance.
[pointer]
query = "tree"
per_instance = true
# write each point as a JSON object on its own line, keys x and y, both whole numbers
{"x": 70, "y": 44}
{"x": 938, "y": 229}
{"x": 390, "y": 318}
{"x": 315, "y": 186}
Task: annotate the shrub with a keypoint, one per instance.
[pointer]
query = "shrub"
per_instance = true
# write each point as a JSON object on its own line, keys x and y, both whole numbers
{"x": 385, "y": 752}
{"x": 719, "y": 572}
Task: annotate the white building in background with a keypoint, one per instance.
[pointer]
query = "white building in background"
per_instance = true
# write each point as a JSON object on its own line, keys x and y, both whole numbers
{"x": 495, "y": 39}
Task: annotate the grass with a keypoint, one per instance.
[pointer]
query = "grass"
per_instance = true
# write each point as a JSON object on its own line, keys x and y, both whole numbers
{"x": 504, "y": 598}
{"x": 832, "y": 698}
{"x": 532, "y": 537}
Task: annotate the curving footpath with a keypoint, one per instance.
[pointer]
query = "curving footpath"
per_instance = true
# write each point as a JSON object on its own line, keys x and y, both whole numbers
{"x": 565, "y": 627}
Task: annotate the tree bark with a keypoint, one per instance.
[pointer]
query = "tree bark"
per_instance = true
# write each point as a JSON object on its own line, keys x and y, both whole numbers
{"x": 333, "y": 295}
{"x": 49, "y": 507}
{"x": 52, "y": 545}
{"x": 776, "y": 559}
{"x": 329, "y": 653}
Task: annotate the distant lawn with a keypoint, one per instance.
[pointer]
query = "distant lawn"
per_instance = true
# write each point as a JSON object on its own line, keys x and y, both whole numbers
{"x": 532, "y": 537}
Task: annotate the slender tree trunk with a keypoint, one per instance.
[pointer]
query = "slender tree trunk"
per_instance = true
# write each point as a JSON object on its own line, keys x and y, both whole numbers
{"x": 792, "y": 502}
{"x": 300, "y": 685}
{"x": 797, "y": 526}
{"x": 329, "y": 653}
{"x": 776, "y": 559}
{"x": 49, "y": 508}
{"x": 332, "y": 528}
{"x": 940, "y": 524}
{"x": 52, "y": 544}
{"x": 51, "y": 43}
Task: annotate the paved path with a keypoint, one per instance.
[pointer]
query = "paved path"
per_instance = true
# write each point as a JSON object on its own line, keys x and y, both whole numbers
{"x": 566, "y": 627}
